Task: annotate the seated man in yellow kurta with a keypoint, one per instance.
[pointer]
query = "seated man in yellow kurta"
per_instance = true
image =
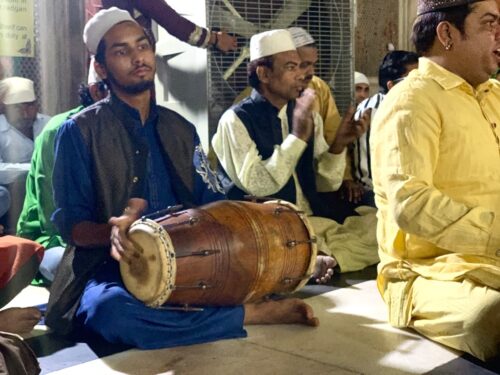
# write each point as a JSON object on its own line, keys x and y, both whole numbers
{"x": 436, "y": 168}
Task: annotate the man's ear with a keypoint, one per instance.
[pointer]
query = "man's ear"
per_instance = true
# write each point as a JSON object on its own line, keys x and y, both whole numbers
{"x": 101, "y": 70}
{"x": 444, "y": 33}
{"x": 263, "y": 74}
{"x": 390, "y": 85}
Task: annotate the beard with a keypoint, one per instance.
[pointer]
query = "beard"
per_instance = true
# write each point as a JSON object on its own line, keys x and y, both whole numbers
{"x": 136, "y": 88}
{"x": 23, "y": 124}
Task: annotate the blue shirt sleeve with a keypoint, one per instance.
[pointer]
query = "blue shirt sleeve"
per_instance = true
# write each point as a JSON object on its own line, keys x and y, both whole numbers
{"x": 207, "y": 186}
{"x": 74, "y": 195}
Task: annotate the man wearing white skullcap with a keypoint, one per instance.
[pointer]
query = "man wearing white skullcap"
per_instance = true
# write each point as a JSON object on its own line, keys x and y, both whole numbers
{"x": 324, "y": 103}
{"x": 361, "y": 87}
{"x": 34, "y": 222}
{"x": 121, "y": 158}
{"x": 20, "y": 124}
{"x": 272, "y": 143}
{"x": 99, "y": 24}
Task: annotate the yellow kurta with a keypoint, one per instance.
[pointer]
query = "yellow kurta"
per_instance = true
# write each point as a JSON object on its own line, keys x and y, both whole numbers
{"x": 436, "y": 171}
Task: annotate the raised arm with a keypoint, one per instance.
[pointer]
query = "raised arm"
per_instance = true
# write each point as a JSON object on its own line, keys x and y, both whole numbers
{"x": 182, "y": 28}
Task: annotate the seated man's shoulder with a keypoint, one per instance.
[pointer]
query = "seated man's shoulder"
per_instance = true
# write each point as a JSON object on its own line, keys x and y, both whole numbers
{"x": 241, "y": 111}
{"x": 248, "y": 104}
{"x": 55, "y": 123}
{"x": 43, "y": 118}
{"x": 371, "y": 102}
{"x": 170, "y": 117}
{"x": 4, "y": 125}
{"x": 92, "y": 110}
{"x": 318, "y": 83}
{"x": 495, "y": 85}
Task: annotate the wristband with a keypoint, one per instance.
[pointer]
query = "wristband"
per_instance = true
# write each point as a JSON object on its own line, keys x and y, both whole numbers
{"x": 216, "y": 39}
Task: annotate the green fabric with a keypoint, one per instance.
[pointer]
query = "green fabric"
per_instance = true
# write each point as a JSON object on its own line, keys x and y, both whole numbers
{"x": 34, "y": 222}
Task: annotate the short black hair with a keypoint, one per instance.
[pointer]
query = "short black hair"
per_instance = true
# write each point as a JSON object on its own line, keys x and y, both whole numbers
{"x": 84, "y": 93}
{"x": 394, "y": 66}
{"x": 424, "y": 28}
{"x": 253, "y": 79}
{"x": 100, "y": 55}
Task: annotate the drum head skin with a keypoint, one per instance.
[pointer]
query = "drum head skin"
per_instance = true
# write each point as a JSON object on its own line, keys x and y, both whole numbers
{"x": 150, "y": 274}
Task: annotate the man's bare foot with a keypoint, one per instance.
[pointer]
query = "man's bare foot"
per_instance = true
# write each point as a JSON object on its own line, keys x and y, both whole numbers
{"x": 19, "y": 319}
{"x": 286, "y": 311}
{"x": 323, "y": 271}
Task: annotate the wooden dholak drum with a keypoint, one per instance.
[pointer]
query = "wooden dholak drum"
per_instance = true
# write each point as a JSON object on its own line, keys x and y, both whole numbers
{"x": 221, "y": 254}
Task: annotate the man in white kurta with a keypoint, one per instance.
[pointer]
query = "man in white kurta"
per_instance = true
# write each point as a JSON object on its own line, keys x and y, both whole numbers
{"x": 272, "y": 144}
{"x": 19, "y": 126}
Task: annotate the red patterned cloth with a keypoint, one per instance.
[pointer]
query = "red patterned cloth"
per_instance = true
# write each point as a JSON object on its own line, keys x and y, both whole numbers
{"x": 16, "y": 252}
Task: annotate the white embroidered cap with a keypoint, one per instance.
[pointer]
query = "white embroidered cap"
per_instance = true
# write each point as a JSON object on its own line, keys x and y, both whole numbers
{"x": 360, "y": 78}
{"x": 93, "y": 77}
{"x": 15, "y": 90}
{"x": 100, "y": 24}
{"x": 270, "y": 43}
{"x": 300, "y": 37}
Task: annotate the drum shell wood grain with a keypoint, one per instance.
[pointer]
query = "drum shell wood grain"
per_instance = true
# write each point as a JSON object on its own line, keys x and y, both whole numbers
{"x": 251, "y": 252}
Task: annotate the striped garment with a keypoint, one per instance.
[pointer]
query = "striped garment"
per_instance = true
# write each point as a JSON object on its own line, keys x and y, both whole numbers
{"x": 360, "y": 150}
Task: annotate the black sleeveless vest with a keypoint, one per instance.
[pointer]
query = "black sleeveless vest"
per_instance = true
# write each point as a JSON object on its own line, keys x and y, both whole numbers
{"x": 261, "y": 120}
{"x": 118, "y": 176}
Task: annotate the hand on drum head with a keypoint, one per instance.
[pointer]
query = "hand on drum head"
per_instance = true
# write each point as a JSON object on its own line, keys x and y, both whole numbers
{"x": 120, "y": 244}
{"x": 323, "y": 271}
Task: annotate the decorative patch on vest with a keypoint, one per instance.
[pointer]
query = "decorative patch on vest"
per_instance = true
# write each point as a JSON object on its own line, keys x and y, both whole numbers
{"x": 203, "y": 169}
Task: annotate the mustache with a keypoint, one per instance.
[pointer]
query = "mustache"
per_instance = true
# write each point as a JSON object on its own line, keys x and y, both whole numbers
{"x": 142, "y": 66}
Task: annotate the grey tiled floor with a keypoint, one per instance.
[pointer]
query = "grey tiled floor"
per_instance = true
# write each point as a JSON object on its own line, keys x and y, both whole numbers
{"x": 353, "y": 338}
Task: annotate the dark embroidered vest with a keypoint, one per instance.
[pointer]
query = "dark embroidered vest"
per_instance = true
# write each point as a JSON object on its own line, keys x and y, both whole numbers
{"x": 118, "y": 175}
{"x": 264, "y": 127}
{"x": 120, "y": 172}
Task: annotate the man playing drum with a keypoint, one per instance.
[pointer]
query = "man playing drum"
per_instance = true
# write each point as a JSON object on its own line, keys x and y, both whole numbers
{"x": 124, "y": 147}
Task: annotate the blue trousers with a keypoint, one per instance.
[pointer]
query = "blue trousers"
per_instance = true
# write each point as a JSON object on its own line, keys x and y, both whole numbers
{"x": 108, "y": 309}
{"x": 51, "y": 259}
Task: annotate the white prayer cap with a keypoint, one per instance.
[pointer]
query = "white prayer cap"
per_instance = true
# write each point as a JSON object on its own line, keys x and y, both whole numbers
{"x": 360, "y": 78}
{"x": 93, "y": 76}
{"x": 100, "y": 24}
{"x": 15, "y": 90}
{"x": 270, "y": 43}
{"x": 300, "y": 37}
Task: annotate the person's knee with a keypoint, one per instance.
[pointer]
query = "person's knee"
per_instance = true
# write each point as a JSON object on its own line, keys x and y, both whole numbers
{"x": 108, "y": 314}
{"x": 481, "y": 330}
